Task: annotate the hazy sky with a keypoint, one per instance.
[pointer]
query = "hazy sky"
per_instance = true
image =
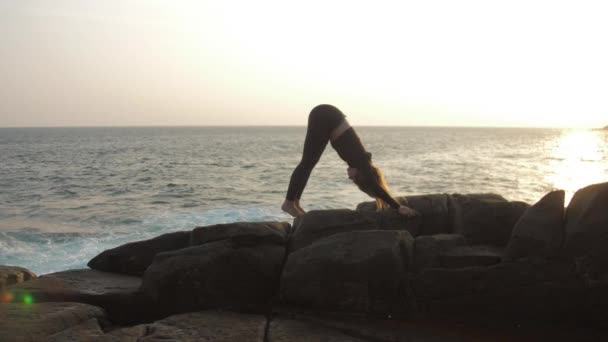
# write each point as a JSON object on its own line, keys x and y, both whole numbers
{"x": 447, "y": 63}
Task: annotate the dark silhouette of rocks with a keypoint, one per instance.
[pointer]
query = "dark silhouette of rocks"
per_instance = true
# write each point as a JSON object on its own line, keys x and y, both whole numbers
{"x": 135, "y": 257}
{"x": 470, "y": 267}
{"x": 540, "y": 230}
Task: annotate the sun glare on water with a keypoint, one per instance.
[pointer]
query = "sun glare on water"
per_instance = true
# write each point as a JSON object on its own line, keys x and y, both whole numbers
{"x": 577, "y": 160}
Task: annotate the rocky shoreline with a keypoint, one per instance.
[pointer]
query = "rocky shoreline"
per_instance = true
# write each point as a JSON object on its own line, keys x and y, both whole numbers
{"x": 471, "y": 267}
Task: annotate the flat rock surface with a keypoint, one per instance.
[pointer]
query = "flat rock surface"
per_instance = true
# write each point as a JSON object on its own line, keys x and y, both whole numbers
{"x": 36, "y": 322}
{"x": 87, "y": 331}
{"x": 420, "y": 329}
{"x": 10, "y": 275}
{"x": 79, "y": 283}
{"x": 218, "y": 326}
{"x": 289, "y": 330}
{"x": 117, "y": 294}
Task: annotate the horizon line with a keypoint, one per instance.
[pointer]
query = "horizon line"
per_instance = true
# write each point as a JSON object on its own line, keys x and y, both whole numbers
{"x": 293, "y": 126}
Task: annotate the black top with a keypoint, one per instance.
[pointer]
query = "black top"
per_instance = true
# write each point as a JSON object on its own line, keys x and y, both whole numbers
{"x": 351, "y": 150}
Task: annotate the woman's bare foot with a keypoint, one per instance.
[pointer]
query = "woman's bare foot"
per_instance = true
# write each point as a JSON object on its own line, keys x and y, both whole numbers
{"x": 290, "y": 208}
{"x": 297, "y": 204}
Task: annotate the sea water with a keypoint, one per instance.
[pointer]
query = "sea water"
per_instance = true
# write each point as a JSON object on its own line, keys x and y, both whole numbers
{"x": 67, "y": 194}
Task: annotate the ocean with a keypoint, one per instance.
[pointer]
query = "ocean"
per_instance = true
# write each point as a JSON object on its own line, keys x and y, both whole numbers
{"x": 67, "y": 194}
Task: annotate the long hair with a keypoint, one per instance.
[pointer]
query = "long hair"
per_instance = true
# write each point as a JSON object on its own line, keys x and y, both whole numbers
{"x": 365, "y": 184}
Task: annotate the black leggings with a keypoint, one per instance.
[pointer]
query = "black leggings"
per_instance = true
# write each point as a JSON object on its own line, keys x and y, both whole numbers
{"x": 323, "y": 119}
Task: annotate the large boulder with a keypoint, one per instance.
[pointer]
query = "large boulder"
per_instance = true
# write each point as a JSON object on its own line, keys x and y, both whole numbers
{"x": 10, "y": 275}
{"x": 318, "y": 224}
{"x": 116, "y": 293}
{"x": 485, "y": 218}
{"x": 133, "y": 258}
{"x": 221, "y": 274}
{"x": 39, "y": 321}
{"x": 254, "y": 232}
{"x": 352, "y": 271}
{"x": 586, "y": 227}
{"x": 434, "y": 213}
{"x": 540, "y": 230}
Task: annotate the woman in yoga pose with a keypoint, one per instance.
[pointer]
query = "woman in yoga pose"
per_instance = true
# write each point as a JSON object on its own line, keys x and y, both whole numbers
{"x": 327, "y": 123}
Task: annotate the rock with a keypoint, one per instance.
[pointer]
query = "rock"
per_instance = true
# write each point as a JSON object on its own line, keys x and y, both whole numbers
{"x": 36, "y": 322}
{"x": 586, "y": 228}
{"x": 402, "y": 329}
{"x": 435, "y": 215}
{"x": 549, "y": 301}
{"x": 254, "y": 232}
{"x": 117, "y": 294}
{"x": 220, "y": 326}
{"x": 434, "y": 212}
{"x": 468, "y": 256}
{"x": 133, "y": 258}
{"x": 219, "y": 274}
{"x": 318, "y": 224}
{"x": 485, "y": 219}
{"x": 288, "y": 330}
{"x": 428, "y": 248}
{"x": 539, "y": 232}
{"x": 10, "y": 275}
{"x": 88, "y": 331}
{"x": 358, "y": 271}
{"x": 442, "y": 283}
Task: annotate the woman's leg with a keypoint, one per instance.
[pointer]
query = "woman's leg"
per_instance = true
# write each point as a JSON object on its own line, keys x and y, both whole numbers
{"x": 322, "y": 121}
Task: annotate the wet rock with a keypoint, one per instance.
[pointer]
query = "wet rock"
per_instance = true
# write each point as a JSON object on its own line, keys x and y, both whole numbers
{"x": 10, "y": 275}
{"x": 428, "y": 248}
{"x": 586, "y": 228}
{"x": 221, "y": 274}
{"x": 133, "y": 258}
{"x": 116, "y": 293}
{"x": 247, "y": 232}
{"x": 37, "y": 322}
{"x": 359, "y": 271}
{"x": 540, "y": 230}
{"x": 485, "y": 218}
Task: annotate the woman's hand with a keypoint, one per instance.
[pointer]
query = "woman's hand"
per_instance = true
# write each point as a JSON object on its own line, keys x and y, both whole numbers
{"x": 407, "y": 211}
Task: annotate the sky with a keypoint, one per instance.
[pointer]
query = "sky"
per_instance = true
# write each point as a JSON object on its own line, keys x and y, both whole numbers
{"x": 383, "y": 63}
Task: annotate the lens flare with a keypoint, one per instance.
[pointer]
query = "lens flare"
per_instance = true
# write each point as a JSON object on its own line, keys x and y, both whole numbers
{"x": 6, "y": 297}
{"x": 28, "y": 299}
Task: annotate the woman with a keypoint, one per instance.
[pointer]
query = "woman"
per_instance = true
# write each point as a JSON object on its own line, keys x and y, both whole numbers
{"x": 327, "y": 123}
